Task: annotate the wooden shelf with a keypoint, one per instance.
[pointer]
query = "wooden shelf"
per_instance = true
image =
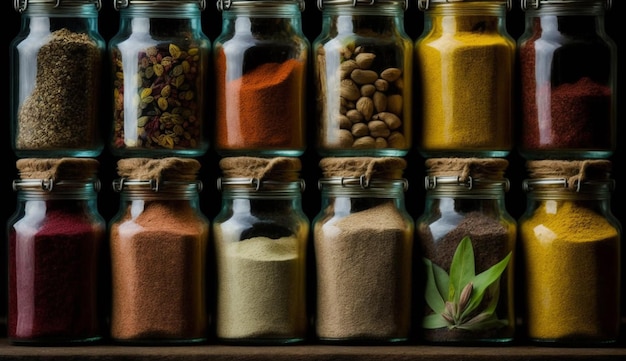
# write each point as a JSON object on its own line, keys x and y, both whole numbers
{"x": 305, "y": 352}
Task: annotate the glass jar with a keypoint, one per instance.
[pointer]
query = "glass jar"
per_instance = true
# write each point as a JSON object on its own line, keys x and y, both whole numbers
{"x": 467, "y": 241}
{"x": 159, "y": 59}
{"x": 55, "y": 253}
{"x": 158, "y": 246}
{"x": 363, "y": 71}
{"x": 261, "y": 236}
{"x": 363, "y": 242}
{"x": 571, "y": 245}
{"x": 466, "y": 69}
{"x": 568, "y": 81}
{"x": 261, "y": 61}
{"x": 56, "y": 63}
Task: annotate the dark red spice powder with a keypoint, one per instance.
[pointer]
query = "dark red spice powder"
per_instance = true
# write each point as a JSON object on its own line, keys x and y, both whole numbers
{"x": 576, "y": 113}
{"x": 53, "y": 276}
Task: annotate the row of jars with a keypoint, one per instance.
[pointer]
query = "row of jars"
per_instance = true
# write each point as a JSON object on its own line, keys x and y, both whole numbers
{"x": 376, "y": 91}
{"x": 361, "y": 271}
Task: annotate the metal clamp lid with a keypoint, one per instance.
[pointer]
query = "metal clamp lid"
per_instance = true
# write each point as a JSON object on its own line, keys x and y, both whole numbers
{"x": 153, "y": 184}
{"x": 424, "y": 5}
{"x": 354, "y": 3}
{"x": 431, "y": 182}
{"x": 48, "y": 185}
{"x": 122, "y": 4}
{"x": 575, "y": 185}
{"x": 227, "y": 4}
{"x": 536, "y": 4}
{"x": 21, "y": 5}
{"x": 361, "y": 182}
{"x": 256, "y": 184}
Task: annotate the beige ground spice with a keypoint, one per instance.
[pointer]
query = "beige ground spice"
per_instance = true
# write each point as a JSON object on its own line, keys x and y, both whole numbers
{"x": 364, "y": 275}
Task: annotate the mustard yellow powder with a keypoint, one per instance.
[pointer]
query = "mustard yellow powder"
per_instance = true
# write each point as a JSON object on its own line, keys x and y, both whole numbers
{"x": 572, "y": 272}
{"x": 466, "y": 76}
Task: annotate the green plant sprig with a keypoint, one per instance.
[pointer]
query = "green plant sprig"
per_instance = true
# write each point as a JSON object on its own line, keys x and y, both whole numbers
{"x": 455, "y": 298}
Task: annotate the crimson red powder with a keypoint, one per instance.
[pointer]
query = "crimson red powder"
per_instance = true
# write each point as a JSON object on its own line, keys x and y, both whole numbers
{"x": 53, "y": 274}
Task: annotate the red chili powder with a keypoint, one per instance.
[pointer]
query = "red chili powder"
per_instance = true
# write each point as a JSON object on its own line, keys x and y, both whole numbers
{"x": 53, "y": 276}
{"x": 262, "y": 108}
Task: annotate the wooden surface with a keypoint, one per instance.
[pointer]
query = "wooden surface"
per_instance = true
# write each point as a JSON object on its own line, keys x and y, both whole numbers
{"x": 306, "y": 352}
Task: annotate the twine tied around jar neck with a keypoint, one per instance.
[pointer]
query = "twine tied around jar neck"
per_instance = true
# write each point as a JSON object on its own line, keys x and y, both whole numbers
{"x": 467, "y": 168}
{"x": 170, "y": 169}
{"x": 56, "y": 169}
{"x": 279, "y": 169}
{"x": 366, "y": 167}
{"x": 575, "y": 172}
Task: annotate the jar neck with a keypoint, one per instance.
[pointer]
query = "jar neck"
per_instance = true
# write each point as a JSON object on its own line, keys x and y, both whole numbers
{"x": 64, "y": 10}
{"x": 452, "y": 187}
{"x": 559, "y": 189}
{"x": 570, "y": 18}
{"x": 182, "y": 10}
{"x": 152, "y": 190}
{"x": 45, "y": 189}
{"x": 252, "y": 188}
{"x": 263, "y": 21}
{"x": 357, "y": 187}
{"x": 566, "y": 8}
{"x": 383, "y": 17}
{"x": 261, "y": 9}
{"x": 481, "y": 17}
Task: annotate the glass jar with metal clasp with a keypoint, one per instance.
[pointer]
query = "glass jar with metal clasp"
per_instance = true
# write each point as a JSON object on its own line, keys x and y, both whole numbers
{"x": 363, "y": 242}
{"x": 159, "y": 70}
{"x": 261, "y": 239}
{"x": 467, "y": 241}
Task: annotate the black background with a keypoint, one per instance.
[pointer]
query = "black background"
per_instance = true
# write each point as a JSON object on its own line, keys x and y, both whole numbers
{"x": 210, "y": 198}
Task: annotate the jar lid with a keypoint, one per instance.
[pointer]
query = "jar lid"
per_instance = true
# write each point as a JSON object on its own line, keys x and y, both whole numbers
{"x": 572, "y": 174}
{"x": 355, "y": 3}
{"x": 120, "y": 4}
{"x": 223, "y": 5}
{"x": 425, "y": 4}
{"x": 535, "y": 4}
{"x": 465, "y": 171}
{"x": 367, "y": 167}
{"x": 284, "y": 169}
{"x": 168, "y": 169}
{"x": 57, "y": 169}
{"x": 21, "y": 5}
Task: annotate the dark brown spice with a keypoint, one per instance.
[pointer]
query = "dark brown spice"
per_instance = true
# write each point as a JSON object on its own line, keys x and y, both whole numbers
{"x": 62, "y": 110}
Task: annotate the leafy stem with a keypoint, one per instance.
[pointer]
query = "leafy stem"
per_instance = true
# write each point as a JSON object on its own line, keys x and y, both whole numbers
{"x": 456, "y": 298}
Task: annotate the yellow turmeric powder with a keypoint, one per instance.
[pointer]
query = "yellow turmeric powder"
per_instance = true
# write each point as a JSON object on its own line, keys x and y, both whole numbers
{"x": 571, "y": 273}
{"x": 465, "y": 61}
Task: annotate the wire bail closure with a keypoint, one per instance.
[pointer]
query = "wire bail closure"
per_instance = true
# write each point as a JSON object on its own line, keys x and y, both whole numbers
{"x": 255, "y": 183}
{"x": 122, "y": 4}
{"x": 361, "y": 181}
{"x": 153, "y": 184}
{"x": 226, "y": 4}
{"x": 47, "y": 185}
{"x": 21, "y": 5}
{"x": 355, "y": 3}
{"x": 424, "y": 5}
{"x": 431, "y": 182}
{"x": 536, "y": 4}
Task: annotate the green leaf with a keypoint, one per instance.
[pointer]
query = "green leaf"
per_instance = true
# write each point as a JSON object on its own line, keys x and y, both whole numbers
{"x": 434, "y": 321}
{"x": 433, "y": 298}
{"x": 441, "y": 279}
{"x": 485, "y": 279}
{"x": 490, "y": 322}
{"x": 462, "y": 269}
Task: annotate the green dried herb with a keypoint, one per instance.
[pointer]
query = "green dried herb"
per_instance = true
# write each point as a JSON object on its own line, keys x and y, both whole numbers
{"x": 457, "y": 298}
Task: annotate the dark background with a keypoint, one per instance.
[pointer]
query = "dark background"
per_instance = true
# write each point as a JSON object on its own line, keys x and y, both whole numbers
{"x": 210, "y": 198}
